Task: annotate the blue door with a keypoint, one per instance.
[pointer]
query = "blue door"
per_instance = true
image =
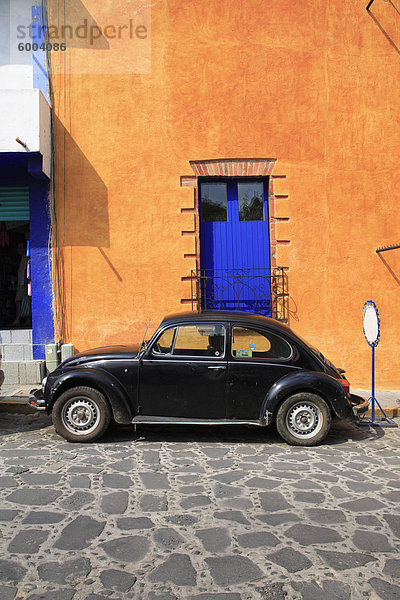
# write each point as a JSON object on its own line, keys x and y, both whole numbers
{"x": 234, "y": 245}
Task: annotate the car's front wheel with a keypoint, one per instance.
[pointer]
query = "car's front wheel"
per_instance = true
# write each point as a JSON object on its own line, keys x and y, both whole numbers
{"x": 81, "y": 414}
{"x": 303, "y": 419}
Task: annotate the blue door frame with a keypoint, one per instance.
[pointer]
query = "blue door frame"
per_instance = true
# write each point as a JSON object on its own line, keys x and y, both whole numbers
{"x": 234, "y": 246}
{"x": 18, "y": 169}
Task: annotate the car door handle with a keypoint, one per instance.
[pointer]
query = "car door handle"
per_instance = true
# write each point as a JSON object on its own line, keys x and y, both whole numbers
{"x": 217, "y": 367}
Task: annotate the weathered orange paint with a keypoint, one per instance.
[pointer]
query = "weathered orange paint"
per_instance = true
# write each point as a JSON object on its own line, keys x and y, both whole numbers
{"x": 314, "y": 85}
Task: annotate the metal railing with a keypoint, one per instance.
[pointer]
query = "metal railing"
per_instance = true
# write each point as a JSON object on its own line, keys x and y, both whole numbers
{"x": 262, "y": 291}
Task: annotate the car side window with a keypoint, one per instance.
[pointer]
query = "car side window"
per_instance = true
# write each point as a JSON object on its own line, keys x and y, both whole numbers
{"x": 200, "y": 340}
{"x": 252, "y": 343}
{"x": 164, "y": 343}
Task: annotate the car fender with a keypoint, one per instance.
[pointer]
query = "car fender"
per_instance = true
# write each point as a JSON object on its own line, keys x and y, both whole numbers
{"x": 318, "y": 383}
{"x": 110, "y": 386}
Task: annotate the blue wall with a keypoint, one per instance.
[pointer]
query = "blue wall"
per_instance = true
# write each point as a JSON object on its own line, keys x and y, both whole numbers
{"x": 39, "y": 55}
{"x": 41, "y": 276}
{"x": 15, "y": 170}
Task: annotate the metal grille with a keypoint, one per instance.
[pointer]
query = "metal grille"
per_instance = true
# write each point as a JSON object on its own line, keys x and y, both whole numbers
{"x": 261, "y": 291}
{"x": 14, "y": 203}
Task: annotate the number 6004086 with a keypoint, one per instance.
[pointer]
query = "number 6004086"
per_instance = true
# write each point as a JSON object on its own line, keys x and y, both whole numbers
{"x": 28, "y": 47}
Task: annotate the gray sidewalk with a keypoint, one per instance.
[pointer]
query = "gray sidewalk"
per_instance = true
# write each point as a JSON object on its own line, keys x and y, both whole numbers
{"x": 16, "y": 391}
{"x": 386, "y": 399}
{"x": 14, "y": 398}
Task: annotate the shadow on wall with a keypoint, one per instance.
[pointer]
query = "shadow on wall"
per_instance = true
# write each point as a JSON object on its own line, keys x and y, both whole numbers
{"x": 72, "y": 23}
{"x": 82, "y": 215}
{"x": 386, "y": 16}
{"x": 82, "y": 197}
{"x": 390, "y": 269}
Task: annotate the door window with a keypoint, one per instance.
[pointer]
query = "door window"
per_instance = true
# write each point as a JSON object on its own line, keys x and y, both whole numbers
{"x": 214, "y": 202}
{"x": 200, "y": 340}
{"x": 251, "y": 201}
{"x": 252, "y": 343}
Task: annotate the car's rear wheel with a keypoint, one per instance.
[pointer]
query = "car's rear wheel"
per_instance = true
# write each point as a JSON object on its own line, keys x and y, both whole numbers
{"x": 81, "y": 414}
{"x": 303, "y": 419}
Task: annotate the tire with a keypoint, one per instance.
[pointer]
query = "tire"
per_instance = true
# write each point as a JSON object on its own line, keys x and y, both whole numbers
{"x": 303, "y": 419}
{"x": 81, "y": 414}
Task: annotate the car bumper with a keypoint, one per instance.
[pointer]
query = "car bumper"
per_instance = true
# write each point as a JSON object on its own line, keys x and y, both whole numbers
{"x": 359, "y": 405}
{"x": 36, "y": 399}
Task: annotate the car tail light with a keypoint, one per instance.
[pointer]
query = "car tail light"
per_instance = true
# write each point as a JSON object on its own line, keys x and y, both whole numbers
{"x": 345, "y": 384}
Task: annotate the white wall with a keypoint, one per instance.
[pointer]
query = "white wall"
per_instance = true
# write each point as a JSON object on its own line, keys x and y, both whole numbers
{"x": 16, "y": 71}
{"x": 24, "y": 112}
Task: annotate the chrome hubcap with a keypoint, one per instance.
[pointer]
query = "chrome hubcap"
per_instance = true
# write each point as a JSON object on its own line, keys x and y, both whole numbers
{"x": 304, "y": 420}
{"x": 80, "y": 415}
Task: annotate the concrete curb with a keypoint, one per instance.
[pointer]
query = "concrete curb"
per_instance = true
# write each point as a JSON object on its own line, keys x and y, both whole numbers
{"x": 390, "y": 411}
{"x": 11, "y": 405}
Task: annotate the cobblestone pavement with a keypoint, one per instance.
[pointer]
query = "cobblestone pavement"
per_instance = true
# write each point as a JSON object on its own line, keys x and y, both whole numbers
{"x": 198, "y": 514}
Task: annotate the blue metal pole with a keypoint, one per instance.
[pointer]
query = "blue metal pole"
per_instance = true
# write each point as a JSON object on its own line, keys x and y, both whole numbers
{"x": 373, "y": 384}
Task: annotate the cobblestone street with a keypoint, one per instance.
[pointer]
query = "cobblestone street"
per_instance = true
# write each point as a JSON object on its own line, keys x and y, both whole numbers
{"x": 198, "y": 514}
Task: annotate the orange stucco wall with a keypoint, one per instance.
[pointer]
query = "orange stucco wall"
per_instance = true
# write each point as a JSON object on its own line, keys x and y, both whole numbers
{"x": 314, "y": 85}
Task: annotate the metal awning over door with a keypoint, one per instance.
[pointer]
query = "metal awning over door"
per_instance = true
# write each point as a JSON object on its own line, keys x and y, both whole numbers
{"x": 14, "y": 203}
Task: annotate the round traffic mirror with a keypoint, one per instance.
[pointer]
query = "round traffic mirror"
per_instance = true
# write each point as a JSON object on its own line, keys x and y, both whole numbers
{"x": 371, "y": 323}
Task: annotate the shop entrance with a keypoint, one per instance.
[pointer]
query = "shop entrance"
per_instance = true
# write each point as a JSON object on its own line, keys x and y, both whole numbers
{"x": 15, "y": 289}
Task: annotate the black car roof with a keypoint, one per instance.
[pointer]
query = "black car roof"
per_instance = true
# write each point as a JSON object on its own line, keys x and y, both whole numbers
{"x": 243, "y": 317}
{"x": 240, "y": 317}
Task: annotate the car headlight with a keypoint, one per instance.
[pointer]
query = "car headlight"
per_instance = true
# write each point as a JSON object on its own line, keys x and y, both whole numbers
{"x": 44, "y": 383}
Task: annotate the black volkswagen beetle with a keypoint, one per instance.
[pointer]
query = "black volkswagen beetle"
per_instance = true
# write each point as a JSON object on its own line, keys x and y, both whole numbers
{"x": 210, "y": 368}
